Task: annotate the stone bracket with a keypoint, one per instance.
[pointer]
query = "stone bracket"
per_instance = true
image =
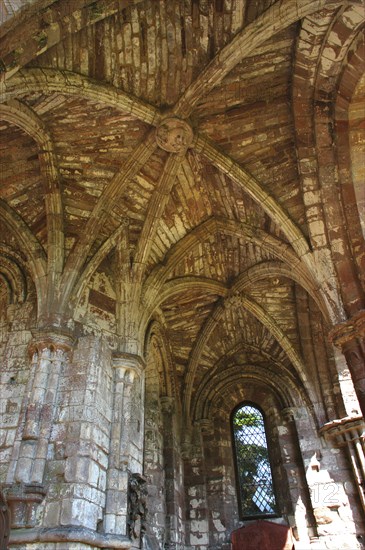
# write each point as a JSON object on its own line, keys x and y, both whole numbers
{"x": 23, "y": 501}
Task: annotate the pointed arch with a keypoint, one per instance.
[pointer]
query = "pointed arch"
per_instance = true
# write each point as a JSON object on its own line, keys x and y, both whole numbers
{"x": 24, "y": 117}
{"x": 12, "y": 272}
{"x": 279, "y": 16}
{"x": 99, "y": 214}
{"x": 157, "y": 337}
{"x": 35, "y": 254}
{"x": 262, "y": 316}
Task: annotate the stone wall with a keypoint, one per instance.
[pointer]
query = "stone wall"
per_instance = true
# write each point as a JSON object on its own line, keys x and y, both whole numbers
{"x": 181, "y": 231}
{"x": 73, "y": 427}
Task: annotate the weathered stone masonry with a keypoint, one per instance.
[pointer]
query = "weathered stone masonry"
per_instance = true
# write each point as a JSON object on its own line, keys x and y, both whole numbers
{"x": 181, "y": 231}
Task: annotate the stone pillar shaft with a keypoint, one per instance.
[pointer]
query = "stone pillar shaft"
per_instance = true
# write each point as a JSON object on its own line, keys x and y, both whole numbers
{"x": 25, "y": 490}
{"x": 128, "y": 376}
{"x": 304, "y": 522}
{"x": 40, "y": 412}
{"x": 173, "y": 490}
{"x": 196, "y": 495}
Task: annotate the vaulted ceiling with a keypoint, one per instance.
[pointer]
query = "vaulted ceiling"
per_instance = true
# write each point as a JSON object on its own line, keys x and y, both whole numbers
{"x": 225, "y": 238}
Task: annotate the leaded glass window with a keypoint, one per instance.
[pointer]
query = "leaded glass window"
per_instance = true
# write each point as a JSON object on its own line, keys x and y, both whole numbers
{"x": 254, "y": 477}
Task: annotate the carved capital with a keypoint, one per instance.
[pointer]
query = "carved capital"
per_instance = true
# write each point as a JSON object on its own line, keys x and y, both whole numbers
{"x": 339, "y": 428}
{"x": 349, "y": 330}
{"x": 174, "y": 135}
{"x": 53, "y": 340}
{"x": 130, "y": 363}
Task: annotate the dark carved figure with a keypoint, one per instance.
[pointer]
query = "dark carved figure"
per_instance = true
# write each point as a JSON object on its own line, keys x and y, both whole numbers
{"x": 137, "y": 506}
{"x": 4, "y": 523}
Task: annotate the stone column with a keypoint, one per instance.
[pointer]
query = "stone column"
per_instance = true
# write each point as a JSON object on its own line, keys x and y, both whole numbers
{"x": 350, "y": 338}
{"x": 126, "y": 445}
{"x": 349, "y": 433}
{"x": 196, "y": 494}
{"x": 303, "y": 522}
{"x": 221, "y": 505}
{"x": 25, "y": 481}
{"x": 174, "y": 492}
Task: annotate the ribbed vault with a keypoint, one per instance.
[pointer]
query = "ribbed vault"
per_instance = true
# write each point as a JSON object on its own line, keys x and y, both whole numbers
{"x": 165, "y": 150}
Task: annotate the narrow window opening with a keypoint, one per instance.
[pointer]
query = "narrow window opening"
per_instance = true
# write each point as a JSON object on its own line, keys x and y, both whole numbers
{"x": 254, "y": 477}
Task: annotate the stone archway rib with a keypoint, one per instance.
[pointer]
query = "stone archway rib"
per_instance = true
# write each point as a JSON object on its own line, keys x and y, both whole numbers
{"x": 253, "y": 188}
{"x": 156, "y": 207}
{"x": 111, "y": 194}
{"x": 227, "y": 361}
{"x": 278, "y": 269}
{"x": 255, "y": 273}
{"x": 249, "y": 373}
{"x": 25, "y": 118}
{"x": 14, "y": 278}
{"x": 49, "y": 24}
{"x": 176, "y": 286}
{"x": 202, "y": 232}
{"x": 276, "y": 18}
{"x": 155, "y": 210}
{"x": 327, "y": 154}
{"x": 12, "y": 264}
{"x": 69, "y": 83}
{"x": 325, "y": 30}
{"x": 32, "y": 248}
{"x": 156, "y": 332}
{"x": 272, "y": 244}
{"x": 262, "y": 316}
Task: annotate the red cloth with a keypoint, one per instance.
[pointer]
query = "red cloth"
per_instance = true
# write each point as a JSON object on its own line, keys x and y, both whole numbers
{"x": 262, "y": 535}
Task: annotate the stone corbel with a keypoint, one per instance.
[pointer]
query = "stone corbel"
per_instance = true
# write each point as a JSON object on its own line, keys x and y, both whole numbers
{"x": 348, "y": 330}
{"x": 336, "y": 430}
{"x": 53, "y": 339}
{"x": 129, "y": 362}
{"x": 288, "y": 414}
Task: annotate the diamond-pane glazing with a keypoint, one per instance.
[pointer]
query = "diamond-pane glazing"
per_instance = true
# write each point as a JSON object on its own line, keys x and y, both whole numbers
{"x": 253, "y": 466}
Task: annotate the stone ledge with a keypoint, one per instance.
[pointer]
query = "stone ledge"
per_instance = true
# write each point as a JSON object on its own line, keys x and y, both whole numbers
{"x": 337, "y": 428}
{"x": 68, "y": 534}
